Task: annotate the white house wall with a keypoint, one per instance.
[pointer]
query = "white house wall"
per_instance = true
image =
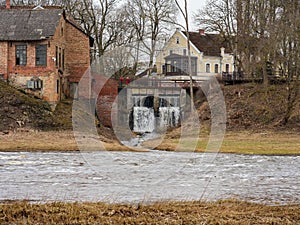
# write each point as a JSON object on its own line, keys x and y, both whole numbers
{"x": 178, "y": 48}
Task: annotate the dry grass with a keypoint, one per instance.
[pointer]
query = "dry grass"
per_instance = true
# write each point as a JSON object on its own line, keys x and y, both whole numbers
{"x": 276, "y": 143}
{"x": 51, "y": 141}
{"x": 269, "y": 143}
{"x": 221, "y": 212}
{"x": 281, "y": 143}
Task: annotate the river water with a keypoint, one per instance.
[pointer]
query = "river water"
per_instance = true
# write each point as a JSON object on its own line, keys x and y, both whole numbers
{"x": 148, "y": 176}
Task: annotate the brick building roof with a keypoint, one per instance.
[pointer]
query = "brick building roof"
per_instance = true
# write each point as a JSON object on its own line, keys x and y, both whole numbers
{"x": 209, "y": 44}
{"x": 28, "y": 24}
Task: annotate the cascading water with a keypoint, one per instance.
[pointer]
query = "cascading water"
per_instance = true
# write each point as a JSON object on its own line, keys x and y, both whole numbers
{"x": 143, "y": 120}
{"x": 146, "y": 118}
{"x": 169, "y": 117}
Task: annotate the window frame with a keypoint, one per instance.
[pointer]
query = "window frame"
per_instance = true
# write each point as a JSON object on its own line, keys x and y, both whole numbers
{"x": 41, "y": 55}
{"x": 227, "y": 67}
{"x": 207, "y": 67}
{"x": 216, "y": 68}
{"x": 56, "y": 56}
{"x": 21, "y": 52}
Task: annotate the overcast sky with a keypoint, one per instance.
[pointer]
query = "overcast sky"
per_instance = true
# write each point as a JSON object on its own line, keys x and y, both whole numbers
{"x": 193, "y": 6}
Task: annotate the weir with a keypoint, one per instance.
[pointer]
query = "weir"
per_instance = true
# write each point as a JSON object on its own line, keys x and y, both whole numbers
{"x": 147, "y": 109}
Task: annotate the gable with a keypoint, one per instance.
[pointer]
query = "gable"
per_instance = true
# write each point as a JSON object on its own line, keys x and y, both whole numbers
{"x": 173, "y": 45}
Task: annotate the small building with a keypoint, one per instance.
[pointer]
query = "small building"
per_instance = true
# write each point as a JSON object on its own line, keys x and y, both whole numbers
{"x": 42, "y": 51}
{"x": 210, "y": 55}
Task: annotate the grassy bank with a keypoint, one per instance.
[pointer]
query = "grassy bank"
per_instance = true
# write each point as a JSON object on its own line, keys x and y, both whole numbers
{"x": 269, "y": 143}
{"x": 51, "y": 141}
{"x": 221, "y": 212}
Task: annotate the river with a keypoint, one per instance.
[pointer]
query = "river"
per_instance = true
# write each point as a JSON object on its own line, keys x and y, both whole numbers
{"x": 148, "y": 176}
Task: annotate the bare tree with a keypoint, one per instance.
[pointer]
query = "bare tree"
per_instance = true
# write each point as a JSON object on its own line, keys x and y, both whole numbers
{"x": 150, "y": 21}
{"x": 219, "y": 16}
{"x": 249, "y": 26}
{"x": 268, "y": 38}
{"x": 185, "y": 15}
{"x": 289, "y": 52}
{"x": 103, "y": 20}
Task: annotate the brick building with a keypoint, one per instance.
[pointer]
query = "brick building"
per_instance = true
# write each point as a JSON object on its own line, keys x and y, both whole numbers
{"x": 42, "y": 51}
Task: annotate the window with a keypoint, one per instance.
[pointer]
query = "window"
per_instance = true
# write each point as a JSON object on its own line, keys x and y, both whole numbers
{"x": 21, "y": 54}
{"x": 207, "y": 68}
{"x": 227, "y": 68}
{"x": 63, "y": 59}
{"x": 57, "y": 86}
{"x": 194, "y": 66}
{"x": 171, "y": 52}
{"x": 35, "y": 84}
{"x": 41, "y": 55}
{"x": 175, "y": 66}
{"x": 177, "y": 40}
{"x": 59, "y": 58}
{"x": 184, "y": 51}
{"x": 56, "y": 56}
{"x": 216, "y": 68}
{"x": 185, "y": 66}
{"x": 164, "y": 69}
{"x": 62, "y": 29}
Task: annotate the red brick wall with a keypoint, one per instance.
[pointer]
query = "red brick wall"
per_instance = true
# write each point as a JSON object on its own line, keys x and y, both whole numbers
{"x": 106, "y": 98}
{"x": 4, "y": 58}
{"x": 77, "y": 53}
{"x": 77, "y": 59}
{"x": 19, "y": 74}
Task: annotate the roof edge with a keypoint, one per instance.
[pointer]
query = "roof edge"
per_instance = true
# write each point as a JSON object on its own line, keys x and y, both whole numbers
{"x": 73, "y": 23}
{"x": 192, "y": 44}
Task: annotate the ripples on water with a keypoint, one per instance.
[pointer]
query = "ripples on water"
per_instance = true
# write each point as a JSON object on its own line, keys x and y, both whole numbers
{"x": 144, "y": 177}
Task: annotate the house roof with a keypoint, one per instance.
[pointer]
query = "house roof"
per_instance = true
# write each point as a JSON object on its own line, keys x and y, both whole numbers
{"x": 176, "y": 56}
{"x": 28, "y": 24}
{"x": 209, "y": 44}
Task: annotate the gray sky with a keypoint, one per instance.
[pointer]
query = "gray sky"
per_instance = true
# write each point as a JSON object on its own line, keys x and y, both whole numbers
{"x": 193, "y": 6}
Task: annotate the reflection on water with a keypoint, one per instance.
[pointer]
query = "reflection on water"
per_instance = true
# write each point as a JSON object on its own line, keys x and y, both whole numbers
{"x": 152, "y": 176}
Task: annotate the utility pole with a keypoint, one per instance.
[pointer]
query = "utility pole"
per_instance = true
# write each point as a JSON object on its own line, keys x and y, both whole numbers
{"x": 186, "y": 18}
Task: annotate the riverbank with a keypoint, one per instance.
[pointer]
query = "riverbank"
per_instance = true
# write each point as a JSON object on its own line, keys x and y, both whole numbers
{"x": 269, "y": 142}
{"x": 221, "y": 212}
{"x": 265, "y": 143}
{"x": 51, "y": 141}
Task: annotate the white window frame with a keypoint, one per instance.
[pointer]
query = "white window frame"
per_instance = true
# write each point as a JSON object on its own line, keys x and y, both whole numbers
{"x": 207, "y": 67}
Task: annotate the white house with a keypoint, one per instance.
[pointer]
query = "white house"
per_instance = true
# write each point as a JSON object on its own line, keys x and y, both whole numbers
{"x": 210, "y": 55}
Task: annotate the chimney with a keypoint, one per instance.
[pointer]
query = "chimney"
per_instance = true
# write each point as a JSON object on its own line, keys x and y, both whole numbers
{"x": 7, "y": 4}
{"x": 201, "y": 31}
{"x": 222, "y": 51}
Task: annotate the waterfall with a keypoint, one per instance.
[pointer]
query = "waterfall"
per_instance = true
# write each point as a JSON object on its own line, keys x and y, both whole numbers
{"x": 143, "y": 119}
{"x": 169, "y": 117}
{"x": 146, "y": 117}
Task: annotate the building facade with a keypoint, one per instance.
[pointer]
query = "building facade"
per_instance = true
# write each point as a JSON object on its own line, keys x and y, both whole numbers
{"x": 42, "y": 51}
{"x": 209, "y": 55}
